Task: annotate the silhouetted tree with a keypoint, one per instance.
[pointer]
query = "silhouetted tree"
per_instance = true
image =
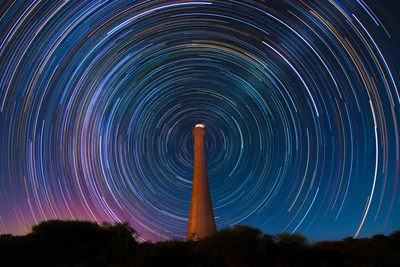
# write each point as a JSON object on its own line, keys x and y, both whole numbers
{"x": 120, "y": 233}
{"x": 294, "y": 238}
{"x": 240, "y": 233}
{"x": 349, "y": 239}
{"x": 67, "y": 232}
{"x": 395, "y": 236}
{"x": 247, "y": 232}
{"x": 269, "y": 238}
{"x": 81, "y": 242}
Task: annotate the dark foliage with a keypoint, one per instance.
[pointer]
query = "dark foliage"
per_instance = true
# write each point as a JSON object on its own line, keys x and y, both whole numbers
{"x": 82, "y": 243}
{"x": 70, "y": 243}
{"x": 292, "y": 239}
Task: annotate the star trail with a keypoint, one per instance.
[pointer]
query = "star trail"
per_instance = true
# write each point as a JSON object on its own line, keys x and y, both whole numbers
{"x": 300, "y": 98}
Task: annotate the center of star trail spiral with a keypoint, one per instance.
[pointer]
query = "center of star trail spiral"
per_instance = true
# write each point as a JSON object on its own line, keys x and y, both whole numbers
{"x": 301, "y": 100}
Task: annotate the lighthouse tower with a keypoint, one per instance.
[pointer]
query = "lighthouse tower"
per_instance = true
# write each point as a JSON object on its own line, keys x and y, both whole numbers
{"x": 201, "y": 217}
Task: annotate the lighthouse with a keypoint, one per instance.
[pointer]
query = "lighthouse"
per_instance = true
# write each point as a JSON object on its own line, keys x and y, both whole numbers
{"x": 201, "y": 216}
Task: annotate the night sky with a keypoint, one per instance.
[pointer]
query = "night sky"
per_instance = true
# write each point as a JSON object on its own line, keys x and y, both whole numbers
{"x": 300, "y": 101}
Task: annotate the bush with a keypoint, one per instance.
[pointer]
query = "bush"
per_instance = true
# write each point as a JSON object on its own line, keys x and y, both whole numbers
{"x": 294, "y": 238}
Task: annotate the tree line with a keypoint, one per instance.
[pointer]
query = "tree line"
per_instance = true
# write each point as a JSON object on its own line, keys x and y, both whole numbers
{"x": 84, "y": 243}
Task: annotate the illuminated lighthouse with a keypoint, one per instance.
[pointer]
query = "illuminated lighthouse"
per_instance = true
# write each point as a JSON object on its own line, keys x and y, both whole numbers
{"x": 201, "y": 217}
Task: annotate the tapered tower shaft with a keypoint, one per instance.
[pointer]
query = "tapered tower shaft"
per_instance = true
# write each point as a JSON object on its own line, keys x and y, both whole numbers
{"x": 201, "y": 217}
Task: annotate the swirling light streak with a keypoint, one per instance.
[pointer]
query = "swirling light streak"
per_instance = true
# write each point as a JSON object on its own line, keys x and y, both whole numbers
{"x": 300, "y": 99}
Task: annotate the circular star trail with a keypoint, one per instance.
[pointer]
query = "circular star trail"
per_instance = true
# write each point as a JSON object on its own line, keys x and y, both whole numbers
{"x": 300, "y": 101}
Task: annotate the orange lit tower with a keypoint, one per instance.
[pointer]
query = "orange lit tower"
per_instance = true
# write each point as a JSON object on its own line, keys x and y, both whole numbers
{"x": 201, "y": 217}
